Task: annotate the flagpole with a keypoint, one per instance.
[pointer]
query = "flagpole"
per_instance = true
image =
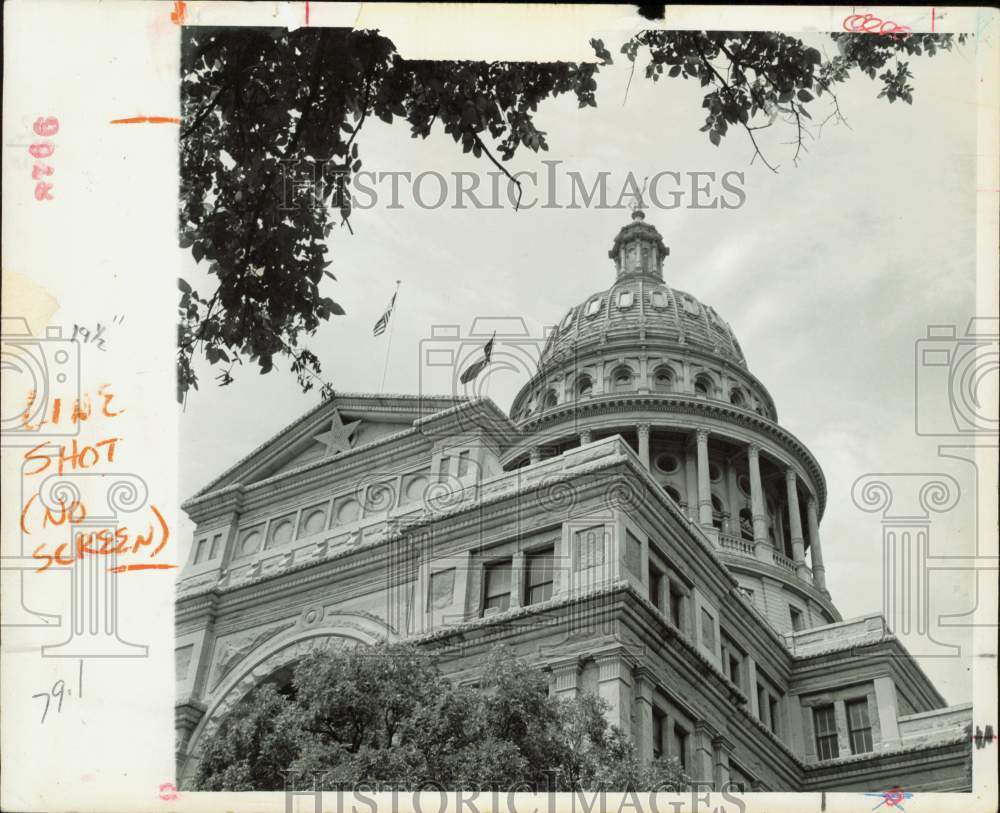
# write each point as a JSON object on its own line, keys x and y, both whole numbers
{"x": 388, "y": 347}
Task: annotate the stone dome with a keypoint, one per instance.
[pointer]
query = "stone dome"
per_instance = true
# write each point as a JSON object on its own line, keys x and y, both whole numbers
{"x": 641, "y": 305}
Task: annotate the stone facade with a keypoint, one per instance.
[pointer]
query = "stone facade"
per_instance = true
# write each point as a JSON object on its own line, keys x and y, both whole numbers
{"x": 641, "y": 527}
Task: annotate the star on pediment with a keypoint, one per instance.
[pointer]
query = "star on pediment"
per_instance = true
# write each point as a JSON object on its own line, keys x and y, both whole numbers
{"x": 338, "y": 438}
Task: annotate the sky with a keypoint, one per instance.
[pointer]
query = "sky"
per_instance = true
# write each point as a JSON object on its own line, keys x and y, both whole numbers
{"x": 829, "y": 274}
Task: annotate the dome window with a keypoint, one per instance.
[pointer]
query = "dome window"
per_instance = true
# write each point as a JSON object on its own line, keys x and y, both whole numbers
{"x": 621, "y": 379}
{"x": 658, "y": 299}
{"x": 567, "y": 320}
{"x": 663, "y": 379}
{"x": 550, "y": 399}
{"x": 703, "y": 386}
{"x": 689, "y": 305}
{"x": 667, "y": 463}
{"x": 736, "y": 397}
{"x": 584, "y": 385}
{"x": 594, "y": 306}
{"x": 625, "y": 300}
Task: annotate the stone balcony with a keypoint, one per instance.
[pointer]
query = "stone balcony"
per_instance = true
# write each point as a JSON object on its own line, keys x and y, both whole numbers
{"x": 737, "y": 546}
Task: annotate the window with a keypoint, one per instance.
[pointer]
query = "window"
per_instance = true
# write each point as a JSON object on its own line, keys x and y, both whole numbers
{"x": 663, "y": 379}
{"x": 443, "y": 467}
{"x": 199, "y": 551}
{"x": 667, "y": 463}
{"x": 734, "y": 670}
{"x": 680, "y": 745}
{"x": 797, "y": 622}
{"x": 675, "y": 606}
{"x": 707, "y": 629}
{"x": 593, "y": 306}
{"x": 633, "y": 552}
{"x": 703, "y": 386}
{"x": 442, "y": 589}
{"x": 540, "y": 575}
{"x": 655, "y": 584}
{"x": 746, "y": 524}
{"x": 497, "y": 588}
{"x": 825, "y": 726}
{"x": 214, "y": 550}
{"x": 625, "y": 299}
{"x": 658, "y": 299}
{"x": 859, "y": 728}
{"x": 621, "y": 379}
{"x": 736, "y": 398}
{"x": 584, "y": 385}
{"x": 463, "y": 463}
{"x": 589, "y": 548}
{"x": 774, "y": 713}
{"x": 659, "y": 725}
{"x": 567, "y": 320}
{"x": 674, "y": 494}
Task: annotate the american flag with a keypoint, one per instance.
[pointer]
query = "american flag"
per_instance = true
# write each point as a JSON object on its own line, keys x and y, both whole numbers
{"x": 383, "y": 320}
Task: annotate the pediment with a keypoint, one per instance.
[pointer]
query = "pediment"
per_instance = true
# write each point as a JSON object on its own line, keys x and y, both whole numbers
{"x": 333, "y": 429}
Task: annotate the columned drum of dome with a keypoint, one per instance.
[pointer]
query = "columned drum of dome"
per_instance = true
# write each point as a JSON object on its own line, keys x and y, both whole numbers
{"x": 665, "y": 371}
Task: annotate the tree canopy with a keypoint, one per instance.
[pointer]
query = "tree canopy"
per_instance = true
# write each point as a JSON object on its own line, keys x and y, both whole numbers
{"x": 255, "y": 101}
{"x": 385, "y": 714}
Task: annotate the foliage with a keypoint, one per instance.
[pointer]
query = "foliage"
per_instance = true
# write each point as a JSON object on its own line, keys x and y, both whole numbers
{"x": 386, "y": 714}
{"x": 262, "y": 107}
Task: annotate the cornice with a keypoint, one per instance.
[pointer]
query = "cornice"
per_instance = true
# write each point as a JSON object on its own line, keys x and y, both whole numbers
{"x": 674, "y": 404}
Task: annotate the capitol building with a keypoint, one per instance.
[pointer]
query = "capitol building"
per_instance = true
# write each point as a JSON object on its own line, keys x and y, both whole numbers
{"x": 640, "y": 526}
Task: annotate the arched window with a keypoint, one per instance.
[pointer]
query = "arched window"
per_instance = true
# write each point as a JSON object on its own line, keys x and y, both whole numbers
{"x": 746, "y": 524}
{"x": 703, "y": 386}
{"x": 717, "y": 510}
{"x": 737, "y": 398}
{"x": 584, "y": 385}
{"x": 550, "y": 399}
{"x": 663, "y": 379}
{"x": 622, "y": 379}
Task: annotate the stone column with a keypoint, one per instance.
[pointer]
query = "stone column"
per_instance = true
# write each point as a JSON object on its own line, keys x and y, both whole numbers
{"x": 735, "y": 499}
{"x": 702, "y": 767}
{"x": 614, "y": 685}
{"x": 644, "y": 714}
{"x": 642, "y": 430}
{"x": 795, "y": 522}
{"x": 757, "y": 505}
{"x": 721, "y": 748}
{"x": 704, "y": 485}
{"x": 585, "y": 437}
{"x": 691, "y": 482}
{"x": 565, "y": 676}
{"x": 517, "y": 579}
{"x": 815, "y": 551}
{"x": 888, "y": 712}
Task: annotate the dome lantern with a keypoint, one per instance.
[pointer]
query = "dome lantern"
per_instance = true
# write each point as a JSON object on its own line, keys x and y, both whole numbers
{"x": 639, "y": 250}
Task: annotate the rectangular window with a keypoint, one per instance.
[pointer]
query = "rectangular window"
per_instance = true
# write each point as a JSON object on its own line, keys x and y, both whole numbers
{"x": 659, "y": 726}
{"x": 762, "y": 704}
{"x": 825, "y": 726}
{"x": 680, "y": 745}
{"x": 859, "y": 728}
{"x": 707, "y": 629}
{"x": 734, "y": 670}
{"x": 443, "y": 466}
{"x": 655, "y": 585}
{"x": 773, "y": 713}
{"x": 589, "y": 548}
{"x": 496, "y": 593}
{"x": 463, "y": 463}
{"x": 675, "y": 606}
{"x": 633, "y": 552}
{"x": 199, "y": 552}
{"x": 214, "y": 550}
{"x": 540, "y": 575}
{"x": 796, "y": 615}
